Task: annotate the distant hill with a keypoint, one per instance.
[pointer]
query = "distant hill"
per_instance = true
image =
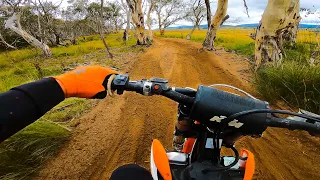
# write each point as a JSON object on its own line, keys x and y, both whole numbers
{"x": 204, "y": 26}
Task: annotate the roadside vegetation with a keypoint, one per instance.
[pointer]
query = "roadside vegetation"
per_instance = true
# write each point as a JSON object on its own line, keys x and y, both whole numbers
{"x": 24, "y": 153}
{"x": 295, "y": 81}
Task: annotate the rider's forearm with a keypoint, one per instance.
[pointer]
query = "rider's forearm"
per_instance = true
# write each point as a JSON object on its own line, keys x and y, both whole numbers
{"x": 25, "y": 104}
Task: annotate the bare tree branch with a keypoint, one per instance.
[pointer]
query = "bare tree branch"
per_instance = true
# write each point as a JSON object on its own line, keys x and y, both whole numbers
{"x": 245, "y": 5}
{"x": 101, "y": 31}
{"x": 5, "y": 43}
{"x": 224, "y": 19}
{"x": 169, "y": 12}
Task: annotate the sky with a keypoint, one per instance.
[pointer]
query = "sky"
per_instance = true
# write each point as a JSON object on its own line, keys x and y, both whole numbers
{"x": 238, "y": 14}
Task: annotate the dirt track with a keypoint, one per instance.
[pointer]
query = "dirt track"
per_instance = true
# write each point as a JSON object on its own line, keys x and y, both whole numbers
{"x": 120, "y": 130}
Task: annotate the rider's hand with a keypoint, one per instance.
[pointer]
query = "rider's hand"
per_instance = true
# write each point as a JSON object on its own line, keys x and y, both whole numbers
{"x": 85, "y": 82}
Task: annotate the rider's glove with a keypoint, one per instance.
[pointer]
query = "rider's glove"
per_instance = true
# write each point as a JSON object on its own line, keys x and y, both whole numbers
{"x": 85, "y": 82}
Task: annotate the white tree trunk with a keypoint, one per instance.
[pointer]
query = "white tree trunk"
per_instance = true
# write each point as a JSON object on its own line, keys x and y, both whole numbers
{"x": 128, "y": 25}
{"x": 215, "y": 24}
{"x": 138, "y": 19}
{"x": 190, "y": 34}
{"x": 13, "y": 23}
{"x": 127, "y": 11}
{"x": 150, "y": 34}
{"x": 280, "y": 20}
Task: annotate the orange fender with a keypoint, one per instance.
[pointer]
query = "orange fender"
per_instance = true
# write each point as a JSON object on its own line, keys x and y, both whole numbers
{"x": 250, "y": 164}
{"x": 159, "y": 161}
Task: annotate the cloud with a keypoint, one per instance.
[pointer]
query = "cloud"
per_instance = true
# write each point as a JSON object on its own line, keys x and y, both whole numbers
{"x": 237, "y": 12}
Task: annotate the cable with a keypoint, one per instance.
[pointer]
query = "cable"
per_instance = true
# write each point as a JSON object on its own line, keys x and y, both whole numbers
{"x": 256, "y": 111}
{"x": 236, "y": 159}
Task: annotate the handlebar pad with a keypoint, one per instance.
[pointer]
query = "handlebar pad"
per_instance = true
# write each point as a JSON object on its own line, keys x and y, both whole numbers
{"x": 210, "y": 102}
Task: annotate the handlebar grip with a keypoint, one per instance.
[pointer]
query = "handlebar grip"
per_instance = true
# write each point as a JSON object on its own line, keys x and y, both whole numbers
{"x": 136, "y": 86}
{"x": 293, "y": 124}
{"x": 121, "y": 83}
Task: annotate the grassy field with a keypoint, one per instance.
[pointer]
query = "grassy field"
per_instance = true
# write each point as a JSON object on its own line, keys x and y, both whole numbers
{"x": 23, "y": 154}
{"x": 231, "y": 39}
{"x": 236, "y": 39}
{"x": 296, "y": 81}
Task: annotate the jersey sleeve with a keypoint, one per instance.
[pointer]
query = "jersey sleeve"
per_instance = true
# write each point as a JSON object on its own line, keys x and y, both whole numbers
{"x": 23, "y": 105}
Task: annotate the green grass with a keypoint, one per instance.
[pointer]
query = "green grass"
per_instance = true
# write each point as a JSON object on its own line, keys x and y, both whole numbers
{"x": 295, "y": 81}
{"x": 70, "y": 108}
{"x": 300, "y": 52}
{"x": 18, "y": 66}
{"x": 296, "y": 84}
{"x": 90, "y": 44}
{"x": 24, "y": 153}
{"x": 231, "y": 39}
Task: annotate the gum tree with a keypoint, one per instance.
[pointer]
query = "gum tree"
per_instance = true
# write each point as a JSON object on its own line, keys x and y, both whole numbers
{"x": 218, "y": 19}
{"x": 128, "y": 20}
{"x": 196, "y": 14}
{"x": 138, "y": 20}
{"x": 168, "y": 13}
{"x": 215, "y": 24}
{"x": 152, "y": 4}
{"x": 13, "y": 23}
{"x": 96, "y": 20}
{"x": 13, "y": 11}
{"x": 279, "y": 23}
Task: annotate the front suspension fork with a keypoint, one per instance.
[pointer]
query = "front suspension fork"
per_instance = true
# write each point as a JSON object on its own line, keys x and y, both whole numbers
{"x": 183, "y": 128}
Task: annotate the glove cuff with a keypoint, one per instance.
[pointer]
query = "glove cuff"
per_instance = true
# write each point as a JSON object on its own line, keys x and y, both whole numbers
{"x": 62, "y": 86}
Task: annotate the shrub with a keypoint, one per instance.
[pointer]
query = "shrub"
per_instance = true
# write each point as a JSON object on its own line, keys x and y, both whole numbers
{"x": 294, "y": 83}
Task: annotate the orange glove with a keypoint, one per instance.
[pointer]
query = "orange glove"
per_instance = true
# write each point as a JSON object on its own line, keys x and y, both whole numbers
{"x": 85, "y": 82}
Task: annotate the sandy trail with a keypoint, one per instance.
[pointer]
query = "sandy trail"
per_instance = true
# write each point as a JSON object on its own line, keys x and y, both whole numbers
{"x": 120, "y": 130}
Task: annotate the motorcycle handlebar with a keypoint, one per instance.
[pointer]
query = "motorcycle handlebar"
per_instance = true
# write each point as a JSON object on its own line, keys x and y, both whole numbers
{"x": 151, "y": 87}
{"x": 178, "y": 97}
{"x": 293, "y": 125}
{"x": 206, "y": 102}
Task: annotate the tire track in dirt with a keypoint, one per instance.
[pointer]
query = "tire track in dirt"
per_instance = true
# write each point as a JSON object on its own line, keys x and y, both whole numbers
{"x": 120, "y": 130}
{"x": 154, "y": 117}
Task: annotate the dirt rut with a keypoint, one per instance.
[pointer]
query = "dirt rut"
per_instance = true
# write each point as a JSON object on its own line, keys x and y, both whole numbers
{"x": 120, "y": 129}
